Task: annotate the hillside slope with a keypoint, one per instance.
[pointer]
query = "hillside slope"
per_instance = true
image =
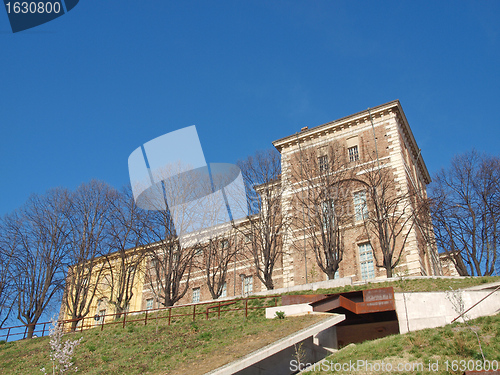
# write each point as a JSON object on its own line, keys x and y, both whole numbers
{"x": 444, "y": 350}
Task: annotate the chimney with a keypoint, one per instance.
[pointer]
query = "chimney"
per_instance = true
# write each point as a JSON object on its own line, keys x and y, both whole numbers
{"x": 304, "y": 128}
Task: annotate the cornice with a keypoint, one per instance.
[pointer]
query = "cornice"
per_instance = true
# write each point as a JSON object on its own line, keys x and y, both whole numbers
{"x": 356, "y": 119}
{"x": 336, "y": 125}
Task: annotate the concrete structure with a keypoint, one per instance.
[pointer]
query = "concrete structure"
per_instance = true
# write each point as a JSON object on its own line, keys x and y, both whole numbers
{"x": 414, "y": 311}
{"x": 275, "y": 359}
{"x": 413, "y": 314}
{"x": 290, "y": 310}
{"x": 418, "y": 311}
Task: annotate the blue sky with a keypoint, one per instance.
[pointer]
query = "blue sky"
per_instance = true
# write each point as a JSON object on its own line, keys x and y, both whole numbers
{"x": 80, "y": 93}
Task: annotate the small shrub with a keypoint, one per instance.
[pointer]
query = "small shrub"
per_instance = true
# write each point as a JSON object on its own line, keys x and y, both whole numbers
{"x": 279, "y": 315}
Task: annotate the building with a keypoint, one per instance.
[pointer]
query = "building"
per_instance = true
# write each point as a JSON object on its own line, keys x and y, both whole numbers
{"x": 380, "y": 135}
{"x": 378, "y": 138}
{"x": 343, "y": 173}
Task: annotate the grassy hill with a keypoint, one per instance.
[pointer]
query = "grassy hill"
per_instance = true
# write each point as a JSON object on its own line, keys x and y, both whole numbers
{"x": 203, "y": 345}
{"x": 443, "y": 348}
{"x": 412, "y": 285}
{"x": 185, "y": 347}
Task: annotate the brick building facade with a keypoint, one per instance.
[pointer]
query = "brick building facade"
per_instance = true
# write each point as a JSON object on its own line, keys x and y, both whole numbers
{"x": 336, "y": 172}
{"x": 368, "y": 141}
{"x": 378, "y": 139}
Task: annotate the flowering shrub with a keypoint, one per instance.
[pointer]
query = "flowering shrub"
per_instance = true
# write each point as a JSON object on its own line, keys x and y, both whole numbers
{"x": 60, "y": 353}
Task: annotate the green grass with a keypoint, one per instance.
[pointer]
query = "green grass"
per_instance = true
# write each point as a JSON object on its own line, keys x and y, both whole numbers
{"x": 409, "y": 285}
{"x": 200, "y": 346}
{"x": 181, "y": 348}
{"x": 454, "y": 342}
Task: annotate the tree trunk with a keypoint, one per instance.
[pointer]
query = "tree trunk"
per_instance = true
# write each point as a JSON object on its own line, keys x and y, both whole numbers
{"x": 31, "y": 329}
{"x": 74, "y": 323}
{"x": 331, "y": 273}
{"x": 269, "y": 282}
{"x": 388, "y": 272}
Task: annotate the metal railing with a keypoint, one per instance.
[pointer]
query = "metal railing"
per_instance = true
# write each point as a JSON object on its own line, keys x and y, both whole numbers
{"x": 210, "y": 309}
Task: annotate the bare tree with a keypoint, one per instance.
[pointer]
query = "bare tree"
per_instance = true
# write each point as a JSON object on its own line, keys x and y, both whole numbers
{"x": 7, "y": 249}
{"x": 268, "y": 225}
{"x": 126, "y": 240}
{"x": 323, "y": 203}
{"x": 169, "y": 262}
{"x": 465, "y": 206}
{"x": 38, "y": 233}
{"x": 88, "y": 216}
{"x": 176, "y": 199}
{"x": 216, "y": 256}
{"x": 391, "y": 213}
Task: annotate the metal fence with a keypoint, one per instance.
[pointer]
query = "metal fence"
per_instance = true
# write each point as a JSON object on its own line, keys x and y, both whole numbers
{"x": 207, "y": 310}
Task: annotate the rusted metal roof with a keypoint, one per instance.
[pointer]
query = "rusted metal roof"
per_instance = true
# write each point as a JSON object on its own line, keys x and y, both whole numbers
{"x": 359, "y": 302}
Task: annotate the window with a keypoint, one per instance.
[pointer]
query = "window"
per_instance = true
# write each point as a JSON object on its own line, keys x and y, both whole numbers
{"x": 360, "y": 208}
{"x": 224, "y": 244}
{"x": 149, "y": 304}
{"x": 323, "y": 163}
{"x": 196, "y": 295}
{"x": 337, "y": 274}
{"x": 248, "y": 238}
{"x": 366, "y": 261}
{"x": 248, "y": 285}
{"x": 353, "y": 153}
{"x": 224, "y": 290}
{"x": 198, "y": 251}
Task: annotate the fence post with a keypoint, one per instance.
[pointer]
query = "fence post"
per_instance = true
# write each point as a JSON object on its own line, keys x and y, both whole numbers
{"x": 275, "y": 301}
{"x": 25, "y": 330}
{"x": 8, "y": 333}
{"x": 208, "y": 307}
{"x": 43, "y": 330}
{"x": 169, "y": 314}
{"x": 146, "y": 318}
{"x": 246, "y": 307}
{"x": 194, "y": 312}
{"x": 124, "y": 318}
{"x": 81, "y": 326}
{"x": 219, "y": 311}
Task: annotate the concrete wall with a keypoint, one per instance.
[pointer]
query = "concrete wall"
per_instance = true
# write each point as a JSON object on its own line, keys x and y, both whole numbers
{"x": 275, "y": 358}
{"x": 289, "y": 310}
{"x": 435, "y": 309}
{"x": 279, "y": 364}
